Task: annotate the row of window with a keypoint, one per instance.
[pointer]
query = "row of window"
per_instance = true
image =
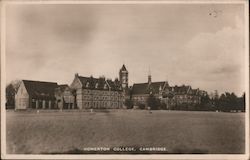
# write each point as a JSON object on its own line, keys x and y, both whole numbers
{"x": 42, "y": 103}
{"x": 68, "y": 98}
{"x": 187, "y": 101}
{"x": 139, "y": 98}
{"x": 185, "y": 96}
{"x": 100, "y": 104}
{"x": 101, "y": 98}
{"x": 97, "y": 92}
{"x": 39, "y": 100}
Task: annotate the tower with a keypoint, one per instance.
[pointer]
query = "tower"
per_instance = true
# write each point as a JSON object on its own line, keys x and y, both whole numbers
{"x": 123, "y": 77}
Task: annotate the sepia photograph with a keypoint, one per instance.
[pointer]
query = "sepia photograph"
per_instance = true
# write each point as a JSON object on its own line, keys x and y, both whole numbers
{"x": 125, "y": 79}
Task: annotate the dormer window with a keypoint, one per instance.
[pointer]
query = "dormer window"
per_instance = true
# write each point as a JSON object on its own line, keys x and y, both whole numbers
{"x": 87, "y": 84}
{"x": 105, "y": 86}
{"x": 96, "y": 85}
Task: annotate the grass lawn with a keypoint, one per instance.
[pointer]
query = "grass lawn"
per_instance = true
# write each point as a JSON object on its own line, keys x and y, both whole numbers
{"x": 178, "y": 131}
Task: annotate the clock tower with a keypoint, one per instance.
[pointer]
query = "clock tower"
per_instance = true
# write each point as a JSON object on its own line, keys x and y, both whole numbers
{"x": 123, "y": 77}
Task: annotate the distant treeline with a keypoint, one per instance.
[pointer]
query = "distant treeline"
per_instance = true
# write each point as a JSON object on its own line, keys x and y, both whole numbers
{"x": 226, "y": 102}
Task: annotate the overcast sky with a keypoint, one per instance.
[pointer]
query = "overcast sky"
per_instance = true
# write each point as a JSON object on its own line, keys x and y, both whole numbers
{"x": 201, "y": 45}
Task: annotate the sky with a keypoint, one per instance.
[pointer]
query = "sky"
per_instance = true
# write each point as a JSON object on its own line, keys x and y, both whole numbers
{"x": 201, "y": 45}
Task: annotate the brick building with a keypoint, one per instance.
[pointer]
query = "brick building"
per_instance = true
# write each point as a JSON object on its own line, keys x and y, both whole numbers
{"x": 97, "y": 92}
{"x": 171, "y": 96}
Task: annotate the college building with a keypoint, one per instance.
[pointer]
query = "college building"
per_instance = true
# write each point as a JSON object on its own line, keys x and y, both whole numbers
{"x": 98, "y": 93}
{"x": 170, "y": 95}
{"x": 83, "y": 93}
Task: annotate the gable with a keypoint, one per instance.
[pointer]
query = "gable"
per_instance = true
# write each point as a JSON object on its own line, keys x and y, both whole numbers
{"x": 22, "y": 91}
{"x": 145, "y": 88}
{"x": 76, "y": 83}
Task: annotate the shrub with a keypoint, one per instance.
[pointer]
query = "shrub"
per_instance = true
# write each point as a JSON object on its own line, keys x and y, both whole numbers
{"x": 129, "y": 103}
{"x": 153, "y": 102}
{"x": 163, "y": 106}
{"x": 141, "y": 106}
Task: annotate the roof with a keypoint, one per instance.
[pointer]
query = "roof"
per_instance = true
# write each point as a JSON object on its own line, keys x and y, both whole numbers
{"x": 63, "y": 86}
{"x": 184, "y": 90}
{"x": 154, "y": 87}
{"x": 39, "y": 89}
{"x": 123, "y": 68}
{"x": 181, "y": 89}
{"x": 99, "y": 83}
{"x": 146, "y": 88}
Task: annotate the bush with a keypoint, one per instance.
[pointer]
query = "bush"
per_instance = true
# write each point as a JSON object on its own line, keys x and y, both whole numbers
{"x": 129, "y": 103}
{"x": 153, "y": 102}
{"x": 163, "y": 106}
{"x": 141, "y": 106}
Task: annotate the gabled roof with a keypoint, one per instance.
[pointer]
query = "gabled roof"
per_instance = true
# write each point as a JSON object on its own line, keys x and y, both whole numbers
{"x": 114, "y": 85}
{"x": 146, "y": 88}
{"x": 123, "y": 68}
{"x": 181, "y": 89}
{"x": 63, "y": 86}
{"x": 99, "y": 83}
{"x": 39, "y": 89}
{"x": 194, "y": 92}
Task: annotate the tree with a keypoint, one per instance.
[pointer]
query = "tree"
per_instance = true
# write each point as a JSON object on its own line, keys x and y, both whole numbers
{"x": 242, "y": 105}
{"x": 216, "y": 100}
{"x": 205, "y": 104}
{"x": 129, "y": 103}
{"x": 10, "y": 96}
{"x": 16, "y": 84}
{"x": 11, "y": 90}
{"x": 141, "y": 105}
{"x": 163, "y": 106}
{"x": 153, "y": 102}
{"x": 229, "y": 101}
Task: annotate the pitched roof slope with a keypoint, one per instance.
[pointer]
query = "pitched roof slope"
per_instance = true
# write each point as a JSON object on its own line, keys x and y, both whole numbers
{"x": 146, "y": 88}
{"x": 99, "y": 83}
{"x": 63, "y": 86}
{"x": 39, "y": 89}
